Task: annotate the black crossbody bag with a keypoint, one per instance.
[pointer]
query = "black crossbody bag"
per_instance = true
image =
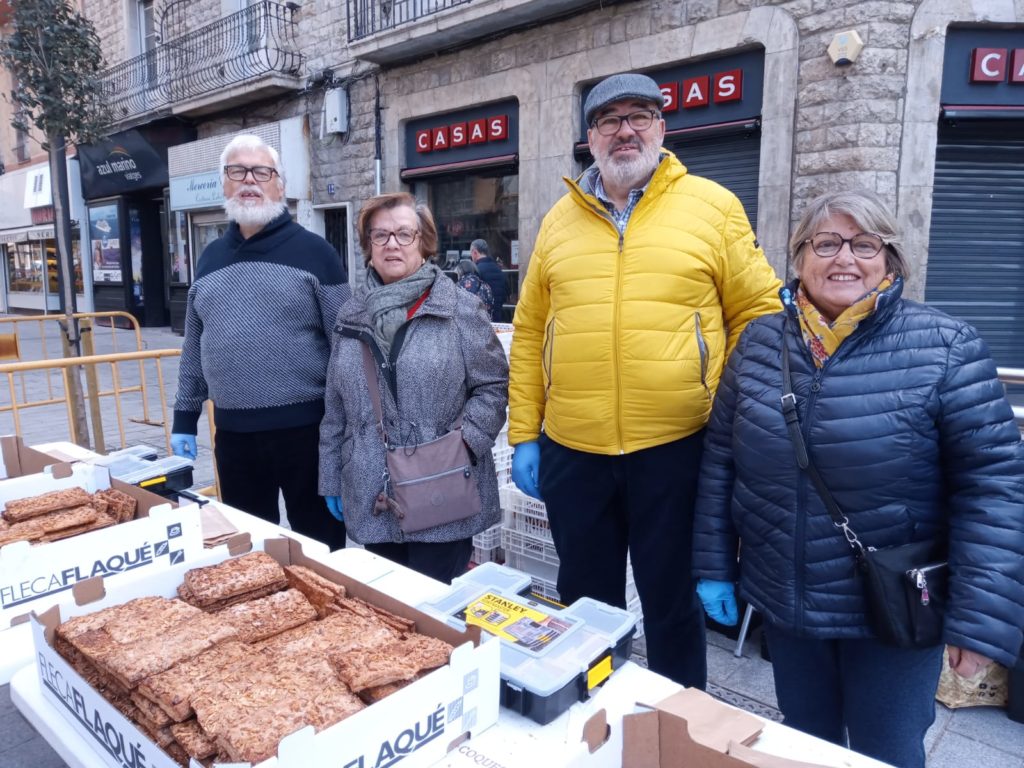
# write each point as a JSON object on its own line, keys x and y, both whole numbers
{"x": 906, "y": 586}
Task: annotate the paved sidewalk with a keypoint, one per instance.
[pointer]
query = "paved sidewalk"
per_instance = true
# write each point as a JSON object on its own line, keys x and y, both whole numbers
{"x": 961, "y": 738}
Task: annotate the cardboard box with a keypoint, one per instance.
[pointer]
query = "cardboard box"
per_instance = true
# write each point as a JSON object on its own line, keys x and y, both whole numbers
{"x": 417, "y": 725}
{"x": 18, "y": 459}
{"x": 35, "y": 577}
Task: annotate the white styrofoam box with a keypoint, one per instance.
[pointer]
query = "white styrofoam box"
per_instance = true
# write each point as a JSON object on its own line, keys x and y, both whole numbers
{"x": 33, "y": 578}
{"x": 417, "y": 725}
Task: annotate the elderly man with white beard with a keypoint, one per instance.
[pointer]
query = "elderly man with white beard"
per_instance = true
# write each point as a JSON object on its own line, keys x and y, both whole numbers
{"x": 640, "y": 282}
{"x": 260, "y": 314}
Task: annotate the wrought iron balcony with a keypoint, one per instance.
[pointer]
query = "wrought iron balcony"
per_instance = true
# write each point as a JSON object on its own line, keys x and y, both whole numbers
{"x": 368, "y": 17}
{"x": 392, "y": 31}
{"x": 252, "y": 51}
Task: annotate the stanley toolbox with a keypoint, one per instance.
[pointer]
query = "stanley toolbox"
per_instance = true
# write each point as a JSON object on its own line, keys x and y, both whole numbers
{"x": 551, "y": 656}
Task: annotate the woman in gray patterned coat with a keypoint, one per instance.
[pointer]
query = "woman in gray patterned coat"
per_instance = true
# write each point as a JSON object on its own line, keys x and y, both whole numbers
{"x": 438, "y": 357}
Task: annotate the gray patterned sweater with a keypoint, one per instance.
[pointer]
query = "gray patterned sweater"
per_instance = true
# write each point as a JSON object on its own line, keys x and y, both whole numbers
{"x": 257, "y": 329}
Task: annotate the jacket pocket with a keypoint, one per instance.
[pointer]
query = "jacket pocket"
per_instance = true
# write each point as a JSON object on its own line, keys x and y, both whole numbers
{"x": 547, "y": 355}
{"x": 702, "y": 349}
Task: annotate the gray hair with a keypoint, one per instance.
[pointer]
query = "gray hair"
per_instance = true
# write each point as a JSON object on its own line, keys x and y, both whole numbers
{"x": 247, "y": 142}
{"x": 867, "y": 211}
{"x": 480, "y": 246}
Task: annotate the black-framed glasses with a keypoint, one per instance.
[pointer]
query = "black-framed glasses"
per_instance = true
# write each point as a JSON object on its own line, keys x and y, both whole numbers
{"x": 865, "y": 245}
{"x": 402, "y": 236}
{"x": 639, "y": 121}
{"x": 259, "y": 172}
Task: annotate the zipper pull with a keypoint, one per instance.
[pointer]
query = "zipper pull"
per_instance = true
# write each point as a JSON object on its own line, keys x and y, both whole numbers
{"x": 922, "y": 584}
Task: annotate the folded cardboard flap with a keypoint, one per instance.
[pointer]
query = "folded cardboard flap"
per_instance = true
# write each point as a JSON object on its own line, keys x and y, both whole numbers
{"x": 596, "y": 731}
{"x": 89, "y": 590}
{"x": 60, "y": 470}
{"x": 689, "y": 728}
{"x": 19, "y": 459}
{"x": 764, "y": 760}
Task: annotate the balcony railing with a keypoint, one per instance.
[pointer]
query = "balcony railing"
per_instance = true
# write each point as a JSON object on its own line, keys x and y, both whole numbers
{"x": 254, "y": 42}
{"x": 368, "y": 17}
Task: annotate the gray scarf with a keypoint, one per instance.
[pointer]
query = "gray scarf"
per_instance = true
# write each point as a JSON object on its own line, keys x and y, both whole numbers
{"x": 389, "y": 304}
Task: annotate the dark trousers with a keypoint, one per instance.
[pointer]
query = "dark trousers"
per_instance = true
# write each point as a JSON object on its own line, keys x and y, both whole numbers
{"x": 881, "y": 697}
{"x": 254, "y": 466}
{"x": 442, "y": 561}
{"x": 600, "y": 507}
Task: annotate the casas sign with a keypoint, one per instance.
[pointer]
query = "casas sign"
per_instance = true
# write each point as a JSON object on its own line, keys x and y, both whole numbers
{"x": 997, "y": 65}
{"x": 462, "y": 134}
{"x": 703, "y": 90}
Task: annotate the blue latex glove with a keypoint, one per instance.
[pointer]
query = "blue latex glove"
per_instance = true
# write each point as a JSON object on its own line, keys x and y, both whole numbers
{"x": 719, "y": 599}
{"x": 334, "y": 506}
{"x": 526, "y": 468}
{"x": 184, "y": 445}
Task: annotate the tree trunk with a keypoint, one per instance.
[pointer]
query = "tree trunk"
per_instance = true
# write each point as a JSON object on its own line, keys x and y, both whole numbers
{"x": 66, "y": 281}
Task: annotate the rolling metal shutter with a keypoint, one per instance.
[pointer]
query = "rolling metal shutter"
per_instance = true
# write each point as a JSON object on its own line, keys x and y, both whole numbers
{"x": 976, "y": 244}
{"x": 733, "y": 161}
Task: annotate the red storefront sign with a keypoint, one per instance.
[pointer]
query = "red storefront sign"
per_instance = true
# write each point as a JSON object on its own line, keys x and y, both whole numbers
{"x": 442, "y": 137}
{"x": 703, "y": 90}
{"x": 997, "y": 65}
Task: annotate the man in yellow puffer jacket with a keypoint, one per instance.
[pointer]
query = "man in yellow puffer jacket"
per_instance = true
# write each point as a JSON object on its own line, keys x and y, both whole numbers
{"x": 641, "y": 281}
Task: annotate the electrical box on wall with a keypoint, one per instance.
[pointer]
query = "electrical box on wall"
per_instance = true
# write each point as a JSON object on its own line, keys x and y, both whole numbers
{"x": 336, "y": 110}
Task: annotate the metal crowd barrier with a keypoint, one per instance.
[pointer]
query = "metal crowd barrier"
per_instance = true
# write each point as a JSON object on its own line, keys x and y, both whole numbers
{"x": 1013, "y": 376}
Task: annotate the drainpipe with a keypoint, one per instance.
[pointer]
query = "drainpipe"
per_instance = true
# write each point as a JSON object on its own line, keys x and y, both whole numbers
{"x": 377, "y": 139}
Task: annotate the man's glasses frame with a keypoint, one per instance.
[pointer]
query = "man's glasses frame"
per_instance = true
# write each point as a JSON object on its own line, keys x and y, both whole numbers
{"x": 261, "y": 173}
{"x": 381, "y": 237}
{"x": 863, "y": 245}
{"x": 639, "y": 121}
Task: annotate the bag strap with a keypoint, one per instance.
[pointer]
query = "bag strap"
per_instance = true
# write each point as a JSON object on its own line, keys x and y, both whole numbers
{"x": 373, "y": 384}
{"x": 803, "y": 458}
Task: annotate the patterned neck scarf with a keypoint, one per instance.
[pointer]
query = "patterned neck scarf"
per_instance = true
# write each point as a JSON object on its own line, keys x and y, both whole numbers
{"x": 822, "y": 337}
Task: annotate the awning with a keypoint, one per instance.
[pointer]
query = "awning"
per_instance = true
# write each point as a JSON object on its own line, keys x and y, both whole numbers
{"x": 465, "y": 165}
{"x": 27, "y": 234}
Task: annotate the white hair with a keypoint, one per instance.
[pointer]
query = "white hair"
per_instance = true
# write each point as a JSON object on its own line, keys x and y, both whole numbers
{"x": 248, "y": 142}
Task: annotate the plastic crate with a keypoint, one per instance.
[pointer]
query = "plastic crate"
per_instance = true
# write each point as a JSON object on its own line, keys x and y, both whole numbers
{"x": 488, "y": 539}
{"x": 524, "y": 514}
{"x": 633, "y": 606}
{"x": 483, "y": 555}
{"x": 532, "y": 566}
{"x": 502, "y": 463}
{"x": 520, "y": 543}
{"x": 544, "y": 588}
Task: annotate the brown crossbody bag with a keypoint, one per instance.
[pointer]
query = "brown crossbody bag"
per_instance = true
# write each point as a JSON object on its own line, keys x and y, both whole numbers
{"x": 426, "y": 484}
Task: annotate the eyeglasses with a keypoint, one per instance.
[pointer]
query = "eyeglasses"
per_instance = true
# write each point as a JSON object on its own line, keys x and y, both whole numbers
{"x": 866, "y": 245}
{"x": 259, "y": 172}
{"x": 639, "y": 121}
{"x": 402, "y": 236}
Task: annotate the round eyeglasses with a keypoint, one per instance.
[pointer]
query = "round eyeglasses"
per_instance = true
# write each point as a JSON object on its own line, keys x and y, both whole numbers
{"x": 259, "y": 172}
{"x": 402, "y": 236}
{"x": 866, "y": 245}
{"x": 639, "y": 121}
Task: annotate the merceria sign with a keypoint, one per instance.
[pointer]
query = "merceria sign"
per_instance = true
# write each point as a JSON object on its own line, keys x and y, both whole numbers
{"x": 701, "y": 91}
{"x": 991, "y": 65}
{"x": 462, "y": 134}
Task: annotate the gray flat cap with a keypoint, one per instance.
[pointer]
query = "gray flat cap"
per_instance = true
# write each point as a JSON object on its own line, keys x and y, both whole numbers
{"x": 618, "y": 87}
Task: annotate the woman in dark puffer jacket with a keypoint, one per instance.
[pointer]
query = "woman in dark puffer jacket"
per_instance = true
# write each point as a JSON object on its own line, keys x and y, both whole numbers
{"x": 906, "y": 422}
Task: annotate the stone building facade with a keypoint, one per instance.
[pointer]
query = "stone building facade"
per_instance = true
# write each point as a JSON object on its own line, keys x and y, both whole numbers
{"x": 406, "y": 67}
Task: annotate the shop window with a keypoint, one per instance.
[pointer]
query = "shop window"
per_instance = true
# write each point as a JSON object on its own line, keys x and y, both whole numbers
{"x": 24, "y": 268}
{"x": 469, "y": 206}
